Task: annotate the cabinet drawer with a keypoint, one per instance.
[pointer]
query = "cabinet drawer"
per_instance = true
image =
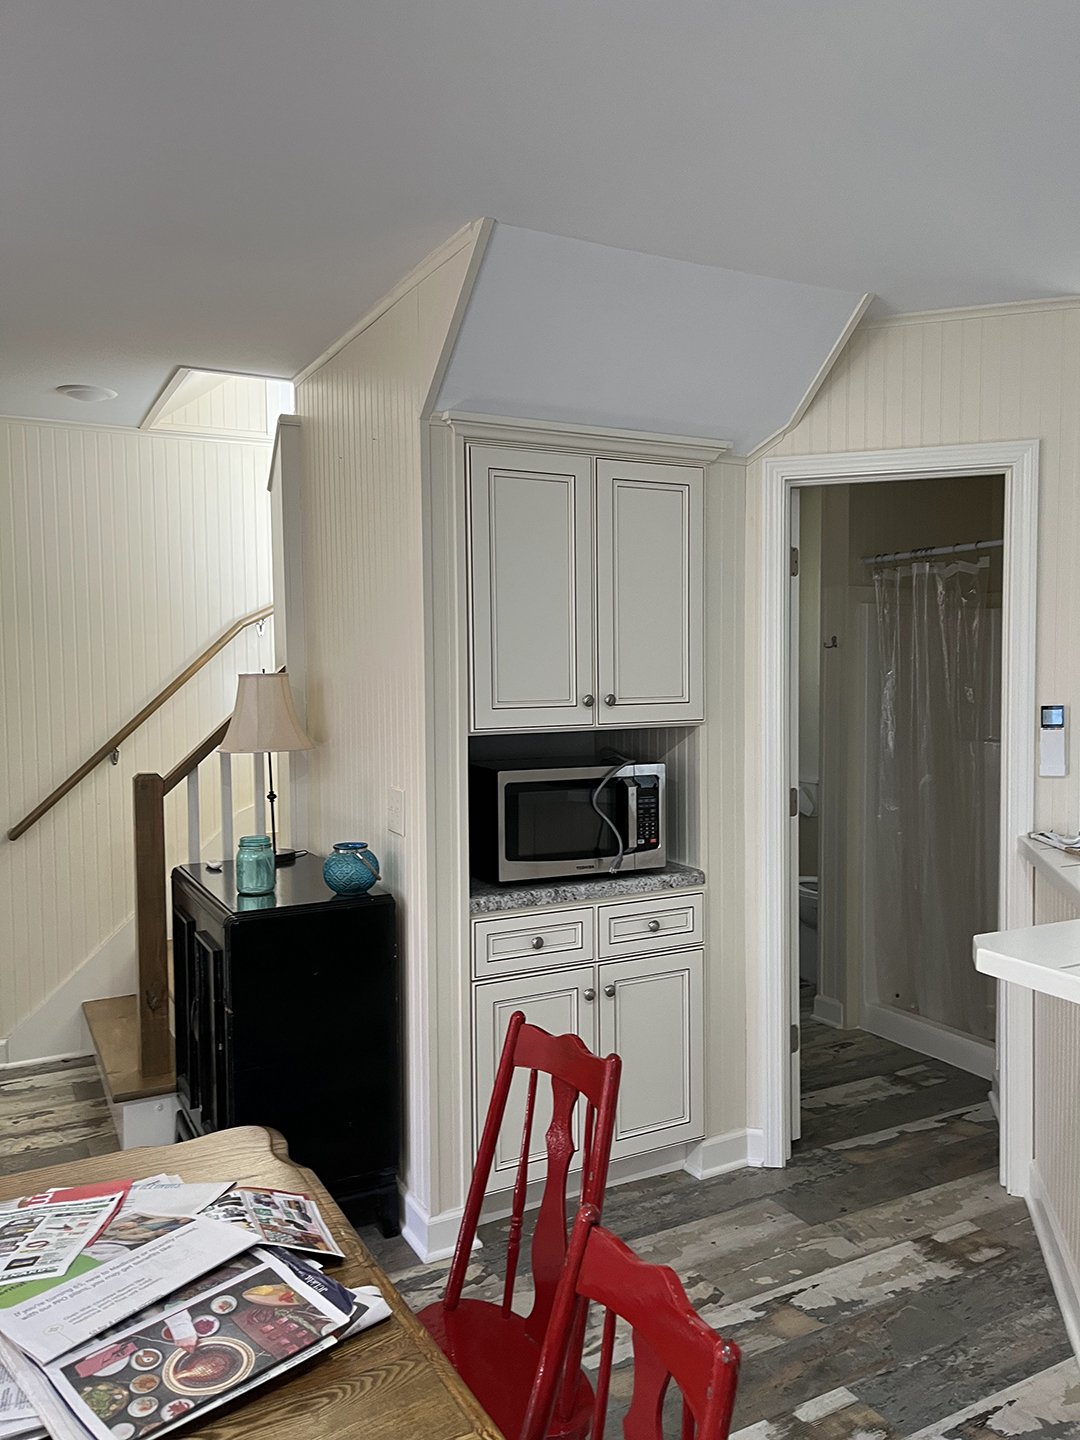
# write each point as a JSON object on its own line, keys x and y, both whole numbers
{"x": 506, "y": 946}
{"x": 639, "y": 927}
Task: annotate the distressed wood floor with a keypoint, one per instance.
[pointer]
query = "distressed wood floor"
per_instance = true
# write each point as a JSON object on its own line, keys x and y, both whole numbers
{"x": 52, "y": 1113}
{"x": 883, "y": 1285}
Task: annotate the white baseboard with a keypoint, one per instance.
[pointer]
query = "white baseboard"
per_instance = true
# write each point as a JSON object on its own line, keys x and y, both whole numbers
{"x": 978, "y": 1057}
{"x": 43, "y": 1059}
{"x": 1059, "y": 1262}
{"x": 433, "y": 1237}
{"x": 829, "y": 1011}
{"x": 57, "y": 1026}
{"x": 717, "y": 1154}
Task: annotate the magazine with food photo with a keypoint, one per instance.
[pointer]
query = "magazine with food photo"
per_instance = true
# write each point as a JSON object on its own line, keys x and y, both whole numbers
{"x": 175, "y": 1362}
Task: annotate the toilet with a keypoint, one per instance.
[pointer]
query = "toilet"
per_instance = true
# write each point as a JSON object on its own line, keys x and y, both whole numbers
{"x": 808, "y": 928}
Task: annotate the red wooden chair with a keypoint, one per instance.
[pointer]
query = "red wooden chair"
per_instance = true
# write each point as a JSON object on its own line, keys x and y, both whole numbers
{"x": 671, "y": 1342}
{"x": 495, "y": 1351}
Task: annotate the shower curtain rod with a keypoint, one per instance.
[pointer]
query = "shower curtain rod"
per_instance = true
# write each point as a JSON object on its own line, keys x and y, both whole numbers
{"x": 933, "y": 550}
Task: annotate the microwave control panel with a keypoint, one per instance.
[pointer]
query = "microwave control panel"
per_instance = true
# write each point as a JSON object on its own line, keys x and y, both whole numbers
{"x": 648, "y": 817}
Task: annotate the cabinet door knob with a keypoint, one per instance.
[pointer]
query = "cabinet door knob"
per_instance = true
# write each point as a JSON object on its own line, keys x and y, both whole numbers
{"x": 609, "y": 991}
{"x": 654, "y": 925}
{"x": 537, "y": 942}
{"x": 609, "y": 700}
{"x": 590, "y": 994}
{"x": 588, "y": 701}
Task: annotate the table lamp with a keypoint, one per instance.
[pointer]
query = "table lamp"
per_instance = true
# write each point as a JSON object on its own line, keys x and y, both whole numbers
{"x": 264, "y": 720}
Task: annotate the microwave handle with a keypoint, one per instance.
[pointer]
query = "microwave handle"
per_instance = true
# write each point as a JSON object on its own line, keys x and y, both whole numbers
{"x": 631, "y": 815}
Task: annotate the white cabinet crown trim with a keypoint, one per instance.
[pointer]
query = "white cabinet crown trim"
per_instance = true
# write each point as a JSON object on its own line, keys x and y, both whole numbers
{"x": 598, "y": 440}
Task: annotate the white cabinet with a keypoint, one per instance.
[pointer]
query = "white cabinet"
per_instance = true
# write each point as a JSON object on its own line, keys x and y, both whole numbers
{"x": 647, "y": 1009}
{"x": 586, "y": 591}
{"x": 639, "y": 927}
{"x": 508, "y": 946}
{"x": 561, "y": 1003}
{"x": 650, "y": 1013}
{"x": 530, "y": 531}
{"x": 649, "y": 593}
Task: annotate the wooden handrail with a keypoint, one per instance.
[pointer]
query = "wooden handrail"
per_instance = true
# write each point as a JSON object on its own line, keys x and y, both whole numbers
{"x": 198, "y": 755}
{"x": 132, "y": 725}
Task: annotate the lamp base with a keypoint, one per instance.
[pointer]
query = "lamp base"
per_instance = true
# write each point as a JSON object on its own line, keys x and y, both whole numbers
{"x": 284, "y": 857}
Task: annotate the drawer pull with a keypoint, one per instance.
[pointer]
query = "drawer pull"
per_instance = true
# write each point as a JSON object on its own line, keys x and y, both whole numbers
{"x": 589, "y": 994}
{"x": 609, "y": 991}
{"x": 538, "y": 942}
{"x": 654, "y": 925}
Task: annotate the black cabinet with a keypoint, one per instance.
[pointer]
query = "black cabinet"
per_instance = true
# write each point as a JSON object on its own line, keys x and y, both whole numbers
{"x": 288, "y": 1014}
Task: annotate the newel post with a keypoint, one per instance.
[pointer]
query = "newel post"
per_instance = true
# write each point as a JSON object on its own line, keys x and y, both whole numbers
{"x": 155, "y": 1043}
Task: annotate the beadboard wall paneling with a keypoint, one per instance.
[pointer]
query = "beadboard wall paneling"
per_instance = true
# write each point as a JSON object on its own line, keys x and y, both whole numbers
{"x": 1057, "y": 1084}
{"x": 363, "y": 563}
{"x": 962, "y": 377}
{"x": 959, "y": 377}
{"x": 122, "y": 555}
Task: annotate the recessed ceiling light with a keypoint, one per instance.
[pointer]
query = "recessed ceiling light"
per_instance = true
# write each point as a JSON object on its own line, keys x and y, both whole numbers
{"x": 86, "y": 392}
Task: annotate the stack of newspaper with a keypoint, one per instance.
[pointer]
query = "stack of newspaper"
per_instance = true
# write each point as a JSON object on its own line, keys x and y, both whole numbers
{"x": 131, "y": 1308}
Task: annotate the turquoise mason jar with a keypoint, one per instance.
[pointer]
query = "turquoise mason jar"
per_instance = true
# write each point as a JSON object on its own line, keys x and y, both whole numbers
{"x": 351, "y": 869}
{"x": 254, "y": 865}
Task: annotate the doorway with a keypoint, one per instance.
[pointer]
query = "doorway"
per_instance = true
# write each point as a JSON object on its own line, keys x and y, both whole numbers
{"x": 774, "y": 1064}
{"x": 898, "y": 716}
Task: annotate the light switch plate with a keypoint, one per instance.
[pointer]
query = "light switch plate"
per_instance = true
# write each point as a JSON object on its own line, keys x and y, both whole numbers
{"x": 395, "y": 811}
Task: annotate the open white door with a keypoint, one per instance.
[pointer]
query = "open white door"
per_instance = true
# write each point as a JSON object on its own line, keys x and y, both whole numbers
{"x": 792, "y": 876}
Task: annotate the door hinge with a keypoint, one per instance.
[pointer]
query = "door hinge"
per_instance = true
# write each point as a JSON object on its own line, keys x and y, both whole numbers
{"x": 794, "y": 1039}
{"x": 793, "y": 801}
{"x": 794, "y": 560}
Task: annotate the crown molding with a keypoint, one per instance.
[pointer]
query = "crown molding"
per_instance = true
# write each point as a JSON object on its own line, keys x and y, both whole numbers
{"x": 973, "y": 312}
{"x": 595, "y": 439}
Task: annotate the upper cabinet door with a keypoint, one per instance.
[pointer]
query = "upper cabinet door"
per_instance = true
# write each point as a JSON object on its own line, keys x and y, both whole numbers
{"x": 650, "y": 593}
{"x": 530, "y": 526}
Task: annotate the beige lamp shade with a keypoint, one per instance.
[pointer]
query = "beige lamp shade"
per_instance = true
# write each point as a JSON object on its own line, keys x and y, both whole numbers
{"x": 265, "y": 717}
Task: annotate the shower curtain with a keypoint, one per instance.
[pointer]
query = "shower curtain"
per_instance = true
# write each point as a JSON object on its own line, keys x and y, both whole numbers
{"x": 935, "y": 869}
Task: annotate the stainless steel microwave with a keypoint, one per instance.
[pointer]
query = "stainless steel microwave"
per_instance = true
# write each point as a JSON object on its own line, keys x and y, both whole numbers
{"x": 558, "y": 819}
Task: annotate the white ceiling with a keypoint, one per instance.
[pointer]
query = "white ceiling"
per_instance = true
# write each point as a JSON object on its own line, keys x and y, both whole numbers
{"x": 231, "y": 183}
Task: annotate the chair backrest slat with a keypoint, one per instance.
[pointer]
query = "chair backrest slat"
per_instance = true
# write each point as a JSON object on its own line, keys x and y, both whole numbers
{"x": 521, "y": 1186}
{"x": 670, "y": 1341}
{"x": 575, "y": 1072}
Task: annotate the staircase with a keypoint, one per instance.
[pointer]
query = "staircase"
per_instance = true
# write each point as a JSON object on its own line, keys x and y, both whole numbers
{"x": 131, "y": 1034}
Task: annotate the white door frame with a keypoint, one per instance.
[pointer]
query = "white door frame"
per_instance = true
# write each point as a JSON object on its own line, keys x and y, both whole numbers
{"x": 1018, "y": 460}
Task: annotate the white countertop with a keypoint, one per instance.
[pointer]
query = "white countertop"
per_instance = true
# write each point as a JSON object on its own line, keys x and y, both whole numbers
{"x": 1039, "y": 957}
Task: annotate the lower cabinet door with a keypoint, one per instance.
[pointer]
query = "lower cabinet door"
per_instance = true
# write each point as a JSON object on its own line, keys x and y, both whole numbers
{"x": 650, "y": 1013}
{"x": 559, "y": 1003}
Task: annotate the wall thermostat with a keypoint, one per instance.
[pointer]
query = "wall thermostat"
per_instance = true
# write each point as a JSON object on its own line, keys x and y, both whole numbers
{"x": 1052, "y": 740}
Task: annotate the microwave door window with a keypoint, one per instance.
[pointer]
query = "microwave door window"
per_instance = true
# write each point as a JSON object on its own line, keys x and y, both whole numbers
{"x": 552, "y": 820}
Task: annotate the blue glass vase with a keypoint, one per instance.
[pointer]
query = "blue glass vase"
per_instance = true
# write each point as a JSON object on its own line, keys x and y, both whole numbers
{"x": 254, "y": 865}
{"x": 352, "y": 868}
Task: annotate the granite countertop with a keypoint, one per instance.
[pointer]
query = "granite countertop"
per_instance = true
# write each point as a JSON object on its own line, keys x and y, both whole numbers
{"x": 487, "y": 899}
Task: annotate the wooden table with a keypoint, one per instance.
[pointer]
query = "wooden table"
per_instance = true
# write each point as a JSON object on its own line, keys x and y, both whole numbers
{"x": 391, "y": 1382}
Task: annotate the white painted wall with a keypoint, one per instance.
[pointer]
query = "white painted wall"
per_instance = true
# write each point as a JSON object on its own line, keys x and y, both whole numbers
{"x": 364, "y": 616}
{"x": 122, "y": 555}
{"x": 566, "y": 330}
